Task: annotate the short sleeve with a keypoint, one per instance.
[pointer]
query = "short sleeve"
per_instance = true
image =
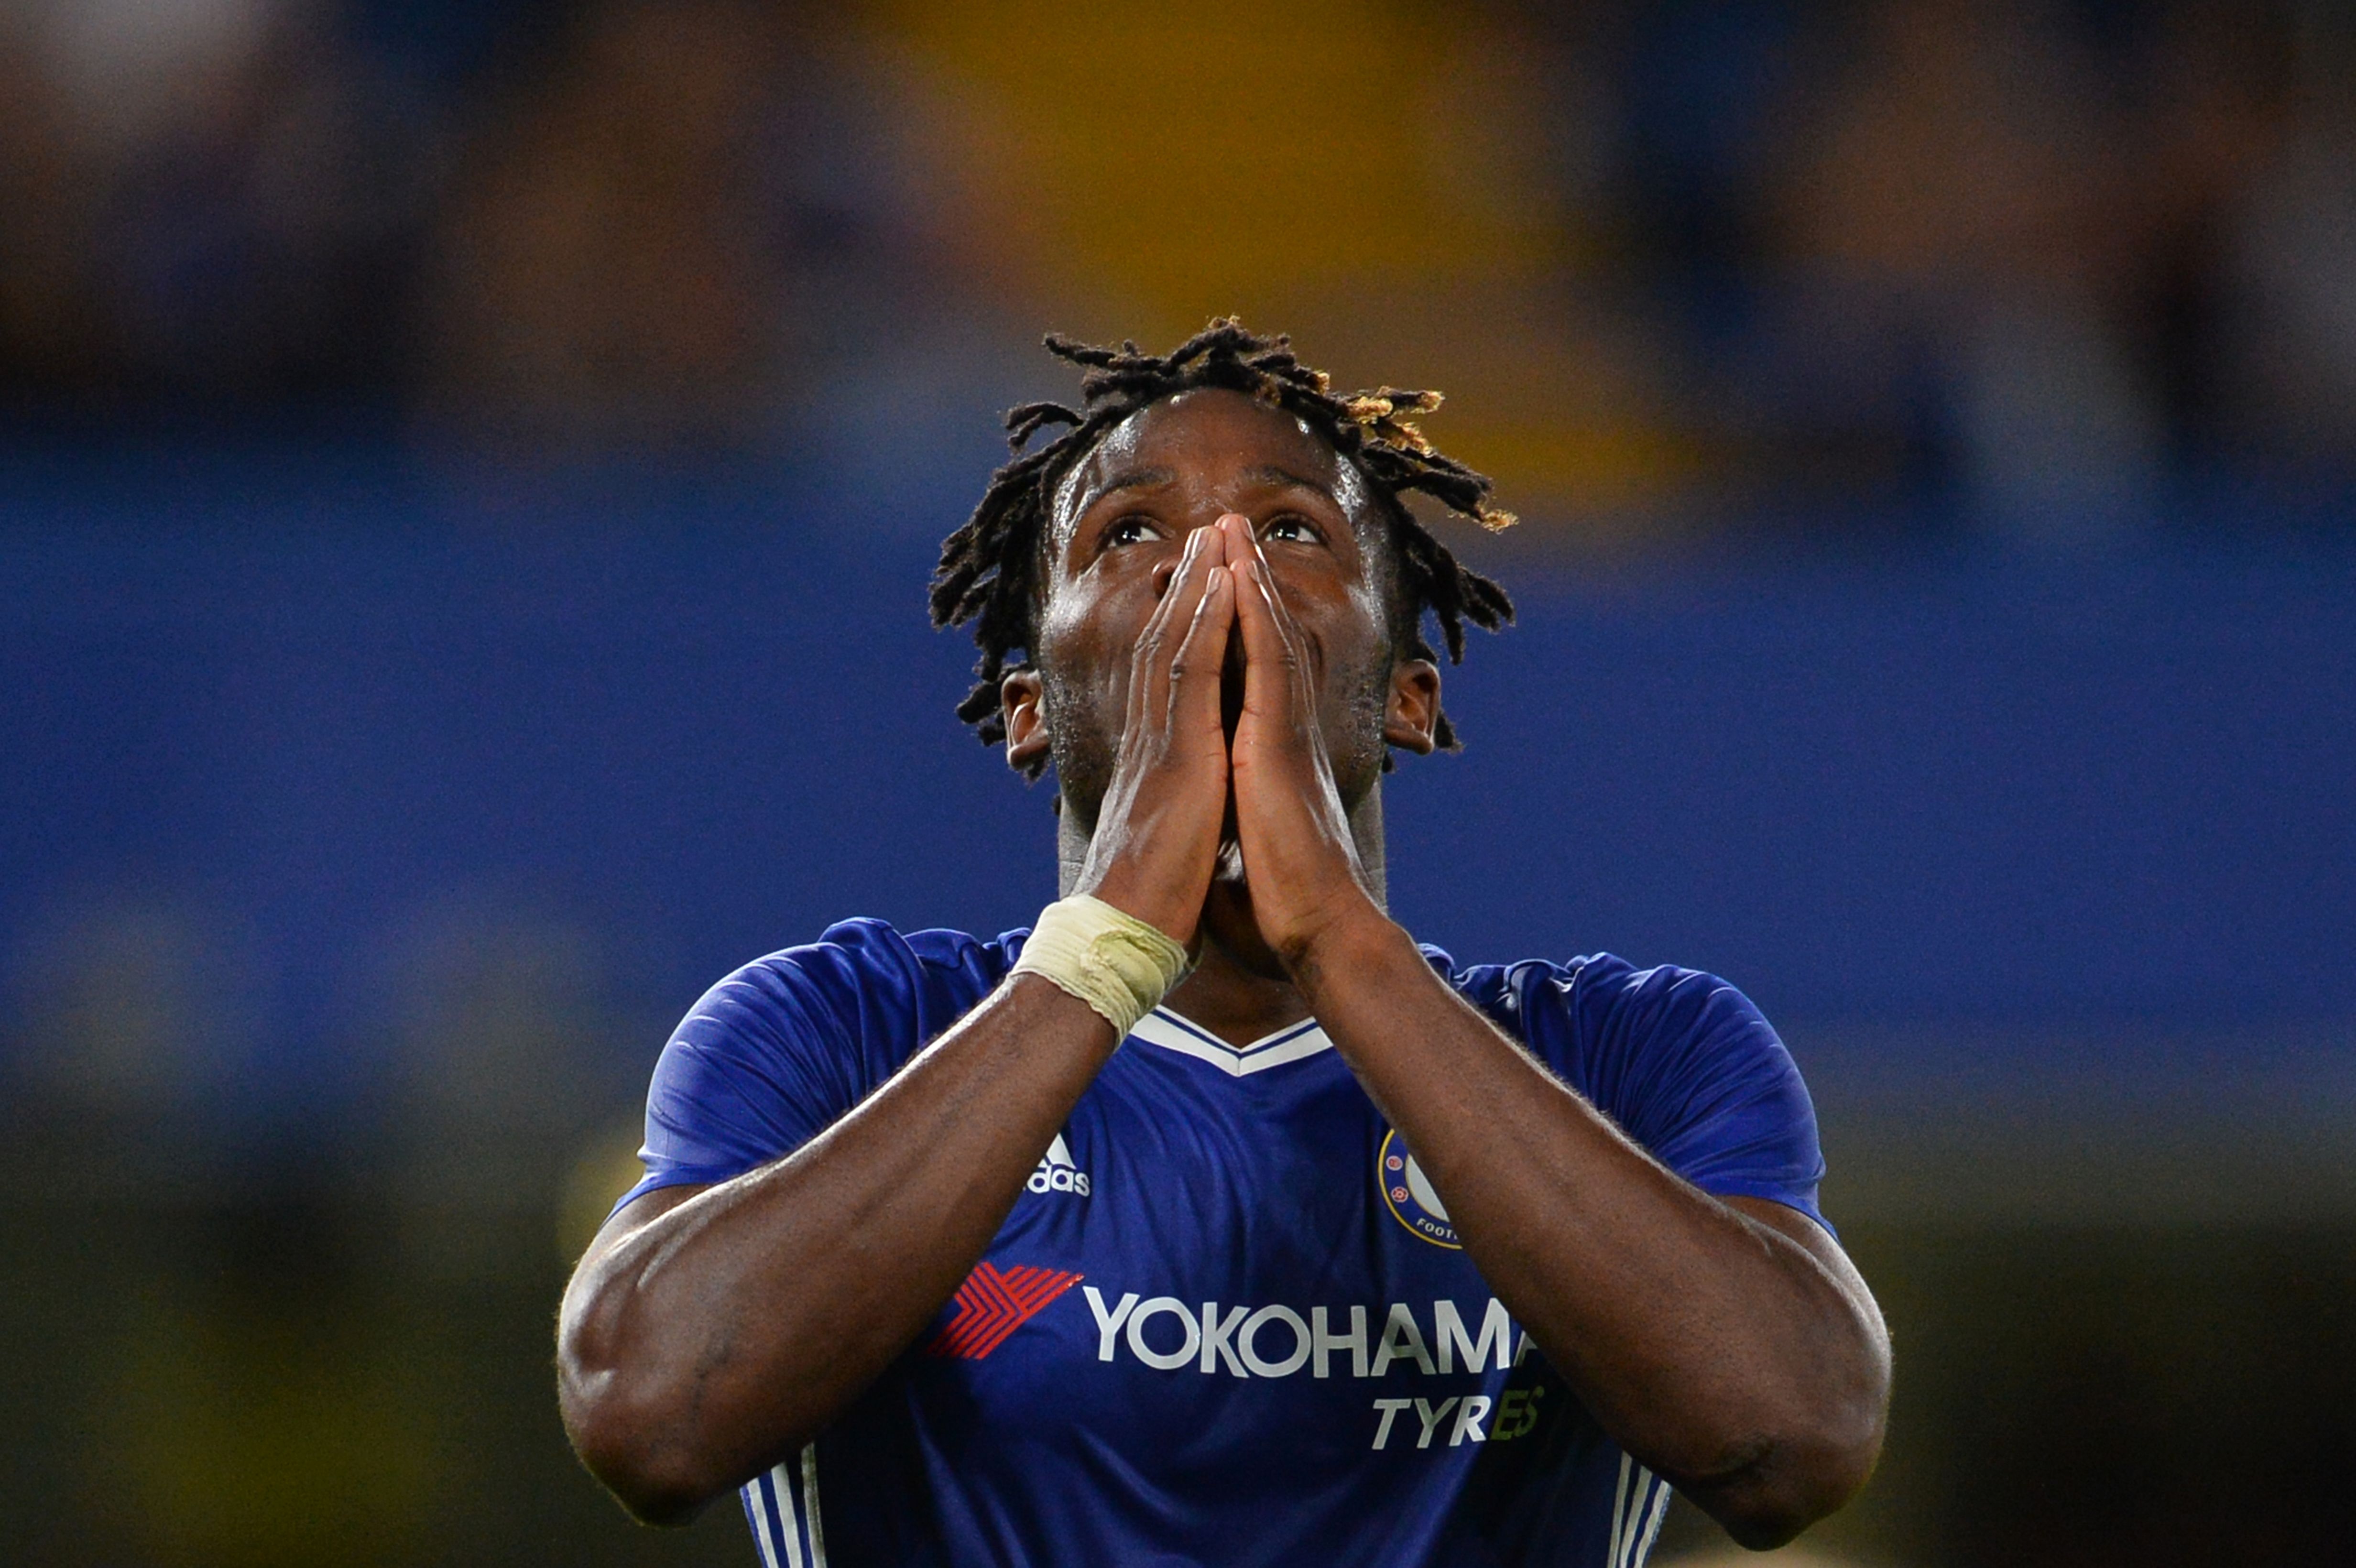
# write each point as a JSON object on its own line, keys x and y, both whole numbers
{"x": 1682, "y": 1061}
{"x": 779, "y": 1051}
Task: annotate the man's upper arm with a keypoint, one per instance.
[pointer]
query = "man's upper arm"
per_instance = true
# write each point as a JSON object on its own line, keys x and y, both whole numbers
{"x": 635, "y": 1213}
{"x": 1813, "y": 1239}
{"x": 1683, "y": 1062}
{"x": 755, "y": 1070}
{"x": 781, "y": 1050}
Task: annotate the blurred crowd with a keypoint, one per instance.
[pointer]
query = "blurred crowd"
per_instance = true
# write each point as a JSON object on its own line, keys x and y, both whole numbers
{"x": 278, "y": 1288}
{"x": 2046, "y": 253}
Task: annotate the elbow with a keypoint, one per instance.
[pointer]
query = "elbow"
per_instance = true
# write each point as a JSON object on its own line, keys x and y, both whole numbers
{"x": 631, "y": 1429}
{"x": 1766, "y": 1517}
{"x": 657, "y": 1482}
{"x": 1799, "y": 1482}
{"x": 1807, "y": 1471}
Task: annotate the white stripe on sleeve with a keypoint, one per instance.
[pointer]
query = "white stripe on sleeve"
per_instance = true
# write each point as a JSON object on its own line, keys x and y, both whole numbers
{"x": 756, "y": 1509}
{"x": 781, "y": 1485}
{"x": 1619, "y": 1512}
{"x": 809, "y": 1503}
{"x": 1624, "y": 1551}
{"x": 1652, "y": 1527}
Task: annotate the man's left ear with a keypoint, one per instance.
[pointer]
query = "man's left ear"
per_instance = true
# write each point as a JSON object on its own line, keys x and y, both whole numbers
{"x": 1412, "y": 714}
{"x": 1020, "y": 707}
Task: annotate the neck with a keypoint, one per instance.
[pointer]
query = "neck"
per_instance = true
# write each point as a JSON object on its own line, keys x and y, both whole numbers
{"x": 1238, "y": 990}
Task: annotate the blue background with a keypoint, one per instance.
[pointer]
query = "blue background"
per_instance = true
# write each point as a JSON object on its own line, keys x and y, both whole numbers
{"x": 698, "y": 719}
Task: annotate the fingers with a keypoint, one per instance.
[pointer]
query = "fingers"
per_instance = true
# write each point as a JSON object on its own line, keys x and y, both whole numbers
{"x": 1166, "y": 632}
{"x": 1195, "y": 671}
{"x": 1290, "y": 822}
{"x": 1276, "y": 669}
{"x": 1156, "y": 840}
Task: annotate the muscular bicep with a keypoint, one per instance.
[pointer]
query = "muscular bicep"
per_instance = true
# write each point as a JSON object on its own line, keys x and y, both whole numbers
{"x": 1828, "y": 1254}
{"x": 634, "y": 1216}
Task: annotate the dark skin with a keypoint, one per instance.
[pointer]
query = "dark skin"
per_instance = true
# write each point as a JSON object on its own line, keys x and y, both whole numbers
{"x": 1220, "y": 682}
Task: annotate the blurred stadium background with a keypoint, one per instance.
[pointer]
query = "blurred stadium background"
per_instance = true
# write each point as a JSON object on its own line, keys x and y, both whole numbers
{"x": 467, "y": 471}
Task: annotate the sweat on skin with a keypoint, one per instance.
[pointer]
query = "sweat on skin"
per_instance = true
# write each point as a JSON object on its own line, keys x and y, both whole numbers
{"x": 1725, "y": 1342}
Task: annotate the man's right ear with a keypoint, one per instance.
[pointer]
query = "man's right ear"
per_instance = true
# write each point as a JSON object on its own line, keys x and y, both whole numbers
{"x": 1026, "y": 725}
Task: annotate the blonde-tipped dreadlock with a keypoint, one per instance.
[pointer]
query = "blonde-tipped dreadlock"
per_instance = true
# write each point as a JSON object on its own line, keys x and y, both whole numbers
{"x": 989, "y": 571}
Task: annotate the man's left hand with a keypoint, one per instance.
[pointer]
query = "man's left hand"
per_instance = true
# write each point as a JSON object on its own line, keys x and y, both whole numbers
{"x": 1299, "y": 860}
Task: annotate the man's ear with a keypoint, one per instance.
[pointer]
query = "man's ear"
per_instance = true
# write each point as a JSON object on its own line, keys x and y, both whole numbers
{"x": 1026, "y": 726}
{"x": 1412, "y": 714}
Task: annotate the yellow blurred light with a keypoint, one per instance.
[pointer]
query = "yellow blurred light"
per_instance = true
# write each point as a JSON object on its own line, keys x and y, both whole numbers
{"x": 1371, "y": 177}
{"x": 606, "y": 1168}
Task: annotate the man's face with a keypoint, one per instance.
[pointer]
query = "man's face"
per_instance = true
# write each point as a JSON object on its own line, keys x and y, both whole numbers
{"x": 1119, "y": 521}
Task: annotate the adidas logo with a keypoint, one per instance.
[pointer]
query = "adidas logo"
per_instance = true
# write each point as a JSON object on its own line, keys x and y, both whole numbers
{"x": 1056, "y": 1173}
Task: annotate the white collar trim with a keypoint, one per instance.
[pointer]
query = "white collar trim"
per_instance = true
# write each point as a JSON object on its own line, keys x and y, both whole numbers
{"x": 1292, "y": 1043}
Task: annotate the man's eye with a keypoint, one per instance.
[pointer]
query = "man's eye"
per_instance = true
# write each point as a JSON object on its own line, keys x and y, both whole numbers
{"x": 1127, "y": 530}
{"x": 1290, "y": 530}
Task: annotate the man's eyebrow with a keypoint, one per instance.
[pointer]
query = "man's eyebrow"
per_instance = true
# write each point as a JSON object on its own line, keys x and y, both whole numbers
{"x": 1269, "y": 474}
{"x": 1127, "y": 479}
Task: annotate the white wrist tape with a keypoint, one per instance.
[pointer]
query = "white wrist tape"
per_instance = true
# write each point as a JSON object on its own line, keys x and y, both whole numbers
{"x": 1116, "y": 963}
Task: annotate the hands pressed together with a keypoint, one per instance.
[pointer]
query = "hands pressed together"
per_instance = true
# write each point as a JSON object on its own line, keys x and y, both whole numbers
{"x": 1181, "y": 786}
{"x": 1726, "y": 1343}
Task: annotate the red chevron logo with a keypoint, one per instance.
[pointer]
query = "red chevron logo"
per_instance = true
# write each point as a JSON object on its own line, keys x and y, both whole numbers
{"x": 992, "y": 1303}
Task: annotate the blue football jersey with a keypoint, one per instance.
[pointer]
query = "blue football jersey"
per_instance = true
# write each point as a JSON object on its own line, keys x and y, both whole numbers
{"x": 1228, "y": 1321}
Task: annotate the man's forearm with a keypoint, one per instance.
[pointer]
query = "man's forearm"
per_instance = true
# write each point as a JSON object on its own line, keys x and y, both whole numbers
{"x": 1719, "y": 1349}
{"x": 698, "y": 1347}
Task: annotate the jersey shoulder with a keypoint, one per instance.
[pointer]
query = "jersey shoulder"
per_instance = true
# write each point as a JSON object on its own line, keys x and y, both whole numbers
{"x": 773, "y": 1054}
{"x": 863, "y": 992}
{"x": 1683, "y": 1061}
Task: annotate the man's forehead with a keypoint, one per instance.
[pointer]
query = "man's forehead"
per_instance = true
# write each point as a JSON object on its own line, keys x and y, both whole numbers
{"x": 1211, "y": 426}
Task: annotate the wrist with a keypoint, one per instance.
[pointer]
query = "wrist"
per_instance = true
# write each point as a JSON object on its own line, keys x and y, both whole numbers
{"x": 1357, "y": 939}
{"x": 1118, "y": 965}
{"x": 1168, "y": 905}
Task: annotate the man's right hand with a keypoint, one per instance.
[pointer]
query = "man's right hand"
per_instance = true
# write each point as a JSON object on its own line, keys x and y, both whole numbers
{"x": 1156, "y": 843}
{"x": 707, "y": 1333}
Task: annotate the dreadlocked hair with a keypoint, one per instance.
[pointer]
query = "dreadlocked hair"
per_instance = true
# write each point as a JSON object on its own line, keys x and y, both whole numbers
{"x": 989, "y": 571}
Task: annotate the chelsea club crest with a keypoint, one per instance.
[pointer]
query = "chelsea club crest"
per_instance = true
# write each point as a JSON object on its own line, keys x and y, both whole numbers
{"x": 1408, "y": 1194}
